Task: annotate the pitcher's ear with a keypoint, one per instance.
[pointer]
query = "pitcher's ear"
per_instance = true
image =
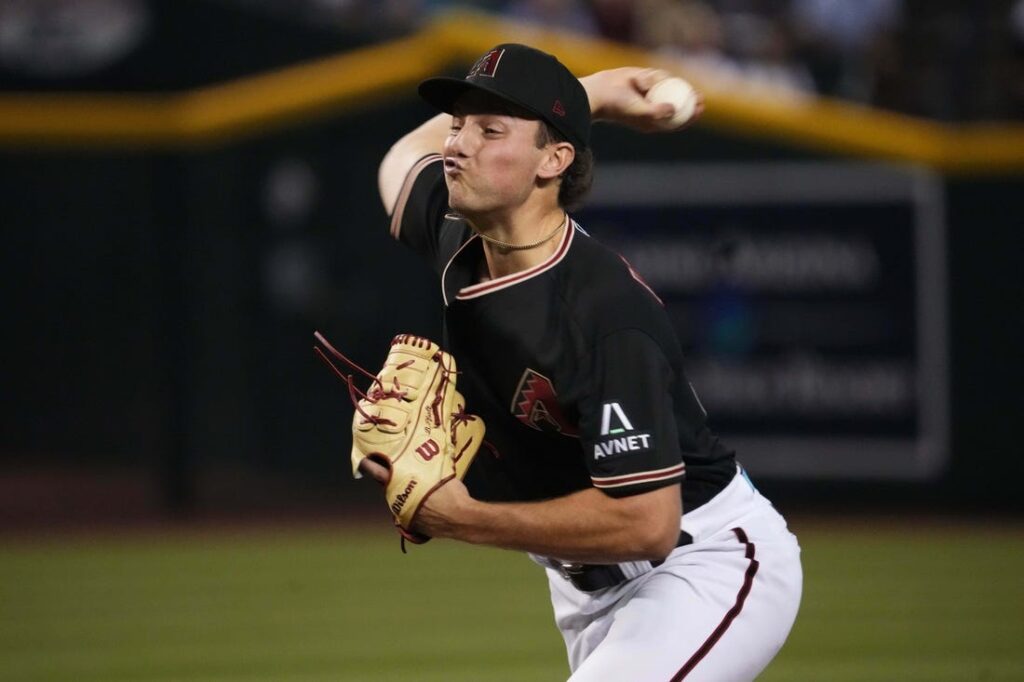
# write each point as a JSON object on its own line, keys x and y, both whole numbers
{"x": 558, "y": 156}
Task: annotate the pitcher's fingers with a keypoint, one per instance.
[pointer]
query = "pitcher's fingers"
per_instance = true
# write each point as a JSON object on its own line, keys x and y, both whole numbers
{"x": 375, "y": 470}
{"x": 662, "y": 110}
{"x": 646, "y": 78}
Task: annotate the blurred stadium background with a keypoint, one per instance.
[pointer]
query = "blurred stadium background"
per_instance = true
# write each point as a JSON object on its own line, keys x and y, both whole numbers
{"x": 188, "y": 191}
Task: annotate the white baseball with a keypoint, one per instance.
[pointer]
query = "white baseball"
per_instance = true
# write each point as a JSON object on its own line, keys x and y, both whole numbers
{"x": 680, "y": 95}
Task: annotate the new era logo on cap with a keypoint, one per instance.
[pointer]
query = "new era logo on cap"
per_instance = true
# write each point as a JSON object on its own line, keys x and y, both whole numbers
{"x": 558, "y": 108}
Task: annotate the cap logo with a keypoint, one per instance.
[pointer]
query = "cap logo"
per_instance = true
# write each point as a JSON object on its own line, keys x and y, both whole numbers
{"x": 558, "y": 108}
{"x": 486, "y": 65}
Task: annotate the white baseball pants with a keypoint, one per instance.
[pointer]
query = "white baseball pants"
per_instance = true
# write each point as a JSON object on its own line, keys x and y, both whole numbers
{"x": 718, "y": 609}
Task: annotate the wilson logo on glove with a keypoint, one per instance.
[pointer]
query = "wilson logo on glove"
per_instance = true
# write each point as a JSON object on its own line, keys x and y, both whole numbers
{"x": 428, "y": 450}
{"x": 402, "y": 497}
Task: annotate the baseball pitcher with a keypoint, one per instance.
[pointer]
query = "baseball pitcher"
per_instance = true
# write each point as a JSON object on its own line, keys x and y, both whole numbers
{"x": 568, "y": 429}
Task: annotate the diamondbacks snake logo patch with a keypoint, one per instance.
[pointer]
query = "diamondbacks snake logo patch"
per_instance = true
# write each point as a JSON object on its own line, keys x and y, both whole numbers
{"x": 536, "y": 404}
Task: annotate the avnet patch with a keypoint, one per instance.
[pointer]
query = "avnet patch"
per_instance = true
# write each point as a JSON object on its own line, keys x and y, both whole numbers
{"x": 622, "y": 445}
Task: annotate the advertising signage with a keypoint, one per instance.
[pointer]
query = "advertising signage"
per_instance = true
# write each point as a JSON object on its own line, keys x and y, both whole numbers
{"x": 809, "y": 299}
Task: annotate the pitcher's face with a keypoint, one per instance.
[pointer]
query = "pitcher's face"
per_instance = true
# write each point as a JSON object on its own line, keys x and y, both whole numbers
{"x": 491, "y": 160}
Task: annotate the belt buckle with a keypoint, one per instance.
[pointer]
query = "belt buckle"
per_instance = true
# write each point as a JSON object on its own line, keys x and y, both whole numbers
{"x": 570, "y": 570}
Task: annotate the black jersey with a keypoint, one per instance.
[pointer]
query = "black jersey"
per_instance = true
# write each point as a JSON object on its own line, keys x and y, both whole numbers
{"x": 572, "y": 364}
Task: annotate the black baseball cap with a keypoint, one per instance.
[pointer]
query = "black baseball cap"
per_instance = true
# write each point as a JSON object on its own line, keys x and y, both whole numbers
{"x": 528, "y": 78}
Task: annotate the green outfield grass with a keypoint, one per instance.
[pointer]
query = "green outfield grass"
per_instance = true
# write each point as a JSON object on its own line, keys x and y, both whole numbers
{"x": 897, "y": 603}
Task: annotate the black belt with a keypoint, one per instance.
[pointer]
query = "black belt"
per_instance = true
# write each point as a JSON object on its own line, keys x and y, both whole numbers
{"x": 594, "y": 577}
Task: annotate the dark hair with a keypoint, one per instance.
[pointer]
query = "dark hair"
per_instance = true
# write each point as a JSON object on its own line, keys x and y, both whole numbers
{"x": 578, "y": 177}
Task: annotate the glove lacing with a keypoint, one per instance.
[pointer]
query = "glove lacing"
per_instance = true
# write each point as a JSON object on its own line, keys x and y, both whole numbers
{"x": 377, "y": 391}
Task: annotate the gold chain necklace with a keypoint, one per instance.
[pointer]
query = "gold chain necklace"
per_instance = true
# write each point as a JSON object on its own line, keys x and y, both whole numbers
{"x": 523, "y": 247}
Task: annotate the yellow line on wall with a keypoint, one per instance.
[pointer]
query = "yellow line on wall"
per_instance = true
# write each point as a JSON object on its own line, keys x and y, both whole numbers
{"x": 348, "y": 80}
{"x": 219, "y": 113}
{"x": 98, "y": 118}
{"x": 817, "y": 123}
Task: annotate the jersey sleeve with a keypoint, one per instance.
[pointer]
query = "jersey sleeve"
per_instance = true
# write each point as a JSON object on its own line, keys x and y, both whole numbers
{"x": 419, "y": 211}
{"x": 628, "y": 431}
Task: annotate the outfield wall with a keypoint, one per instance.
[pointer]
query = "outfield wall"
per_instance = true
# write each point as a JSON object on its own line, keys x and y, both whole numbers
{"x": 169, "y": 256}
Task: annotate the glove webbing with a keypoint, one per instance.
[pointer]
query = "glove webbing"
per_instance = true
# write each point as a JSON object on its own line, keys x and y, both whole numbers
{"x": 377, "y": 391}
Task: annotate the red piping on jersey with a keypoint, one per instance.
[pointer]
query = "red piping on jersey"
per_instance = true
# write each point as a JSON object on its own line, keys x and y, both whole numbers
{"x": 647, "y": 477}
{"x": 444, "y": 273}
{"x": 730, "y": 616}
{"x": 516, "y": 277}
{"x": 403, "y": 195}
{"x": 636, "y": 275}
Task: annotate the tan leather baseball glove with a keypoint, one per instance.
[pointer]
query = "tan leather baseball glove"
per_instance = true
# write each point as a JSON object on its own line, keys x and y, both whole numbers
{"x": 412, "y": 421}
